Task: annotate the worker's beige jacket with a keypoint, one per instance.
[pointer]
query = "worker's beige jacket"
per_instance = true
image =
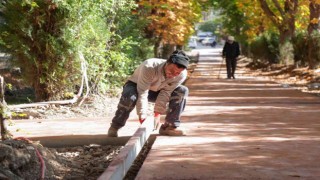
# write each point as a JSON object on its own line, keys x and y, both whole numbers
{"x": 150, "y": 76}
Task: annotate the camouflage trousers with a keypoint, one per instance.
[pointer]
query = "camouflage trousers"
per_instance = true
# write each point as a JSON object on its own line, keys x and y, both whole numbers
{"x": 129, "y": 98}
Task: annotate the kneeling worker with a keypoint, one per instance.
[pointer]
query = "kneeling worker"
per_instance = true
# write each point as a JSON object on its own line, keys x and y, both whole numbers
{"x": 155, "y": 80}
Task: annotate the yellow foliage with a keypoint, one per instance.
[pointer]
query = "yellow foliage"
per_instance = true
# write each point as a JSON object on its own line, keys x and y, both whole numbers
{"x": 172, "y": 20}
{"x": 257, "y": 20}
{"x": 314, "y": 21}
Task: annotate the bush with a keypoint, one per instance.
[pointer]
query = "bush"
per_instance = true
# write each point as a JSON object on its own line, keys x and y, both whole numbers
{"x": 300, "y": 46}
{"x": 124, "y": 48}
{"x": 306, "y": 49}
{"x": 314, "y": 50}
{"x": 265, "y": 48}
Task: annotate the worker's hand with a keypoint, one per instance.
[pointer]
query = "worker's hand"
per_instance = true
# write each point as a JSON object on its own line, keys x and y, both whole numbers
{"x": 156, "y": 120}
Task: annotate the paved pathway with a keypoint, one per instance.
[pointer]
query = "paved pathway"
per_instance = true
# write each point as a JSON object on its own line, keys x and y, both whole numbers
{"x": 247, "y": 128}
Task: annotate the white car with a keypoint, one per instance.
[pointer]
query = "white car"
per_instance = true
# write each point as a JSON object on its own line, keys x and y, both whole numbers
{"x": 209, "y": 41}
{"x": 192, "y": 43}
{"x": 202, "y": 35}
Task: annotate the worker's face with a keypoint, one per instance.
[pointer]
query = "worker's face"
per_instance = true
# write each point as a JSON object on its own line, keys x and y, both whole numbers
{"x": 172, "y": 70}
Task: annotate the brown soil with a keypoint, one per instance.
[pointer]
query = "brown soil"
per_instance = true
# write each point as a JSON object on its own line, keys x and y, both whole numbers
{"x": 19, "y": 160}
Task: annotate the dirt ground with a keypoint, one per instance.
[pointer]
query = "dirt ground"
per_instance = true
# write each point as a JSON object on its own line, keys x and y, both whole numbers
{"x": 21, "y": 159}
{"x": 301, "y": 78}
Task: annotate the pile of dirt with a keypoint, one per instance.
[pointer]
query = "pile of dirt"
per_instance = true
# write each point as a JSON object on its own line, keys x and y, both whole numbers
{"x": 19, "y": 159}
{"x": 22, "y": 159}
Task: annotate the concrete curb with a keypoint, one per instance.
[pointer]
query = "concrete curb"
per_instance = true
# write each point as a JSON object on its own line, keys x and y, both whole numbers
{"x": 120, "y": 165}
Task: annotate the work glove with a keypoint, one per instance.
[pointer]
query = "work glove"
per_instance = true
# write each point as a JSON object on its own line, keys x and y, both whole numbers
{"x": 142, "y": 118}
{"x": 156, "y": 121}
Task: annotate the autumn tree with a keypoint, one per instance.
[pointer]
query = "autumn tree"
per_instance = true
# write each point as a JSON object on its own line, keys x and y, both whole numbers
{"x": 171, "y": 22}
{"x": 282, "y": 16}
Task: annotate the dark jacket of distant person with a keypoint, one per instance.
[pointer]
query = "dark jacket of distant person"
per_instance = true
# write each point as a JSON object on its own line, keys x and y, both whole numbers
{"x": 231, "y": 50}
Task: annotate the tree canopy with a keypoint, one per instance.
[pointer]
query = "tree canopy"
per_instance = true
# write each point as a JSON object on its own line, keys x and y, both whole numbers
{"x": 170, "y": 22}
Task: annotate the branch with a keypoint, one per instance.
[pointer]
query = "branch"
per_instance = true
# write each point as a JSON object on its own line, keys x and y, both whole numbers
{"x": 276, "y": 3}
{"x": 269, "y": 13}
{"x": 84, "y": 78}
{"x": 63, "y": 102}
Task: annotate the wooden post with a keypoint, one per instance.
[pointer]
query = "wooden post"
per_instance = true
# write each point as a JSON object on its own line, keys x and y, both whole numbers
{"x": 3, "y": 105}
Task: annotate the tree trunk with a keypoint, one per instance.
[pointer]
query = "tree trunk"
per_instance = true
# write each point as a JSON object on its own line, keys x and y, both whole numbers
{"x": 284, "y": 36}
{"x": 311, "y": 61}
{"x": 314, "y": 10}
{"x": 157, "y": 48}
{"x": 5, "y": 134}
{"x": 291, "y": 9}
{"x": 41, "y": 92}
{"x": 179, "y": 47}
{"x": 167, "y": 50}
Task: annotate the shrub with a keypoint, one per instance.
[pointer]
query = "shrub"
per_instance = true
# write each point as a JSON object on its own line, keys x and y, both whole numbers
{"x": 265, "y": 48}
{"x": 124, "y": 48}
{"x": 314, "y": 50}
{"x": 306, "y": 49}
{"x": 300, "y": 46}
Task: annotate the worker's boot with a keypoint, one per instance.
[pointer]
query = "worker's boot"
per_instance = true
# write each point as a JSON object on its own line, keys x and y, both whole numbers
{"x": 113, "y": 132}
{"x": 169, "y": 130}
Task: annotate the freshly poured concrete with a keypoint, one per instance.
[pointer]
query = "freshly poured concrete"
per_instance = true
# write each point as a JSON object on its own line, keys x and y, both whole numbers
{"x": 247, "y": 128}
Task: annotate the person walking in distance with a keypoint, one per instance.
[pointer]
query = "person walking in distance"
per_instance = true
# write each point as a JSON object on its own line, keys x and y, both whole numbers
{"x": 231, "y": 51}
{"x": 155, "y": 80}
